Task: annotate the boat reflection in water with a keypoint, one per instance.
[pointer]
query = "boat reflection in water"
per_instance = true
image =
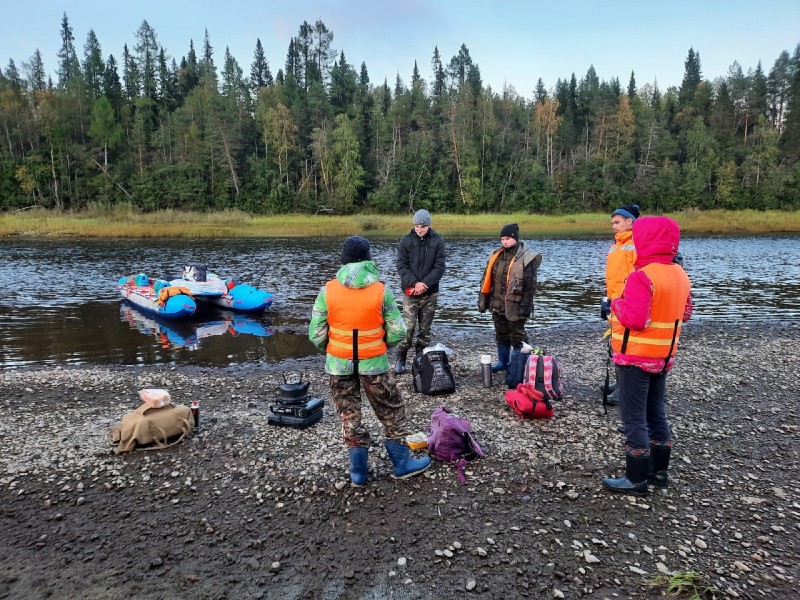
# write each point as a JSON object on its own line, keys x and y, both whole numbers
{"x": 188, "y": 334}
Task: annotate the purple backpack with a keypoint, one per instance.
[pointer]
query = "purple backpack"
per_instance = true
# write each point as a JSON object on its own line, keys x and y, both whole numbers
{"x": 451, "y": 440}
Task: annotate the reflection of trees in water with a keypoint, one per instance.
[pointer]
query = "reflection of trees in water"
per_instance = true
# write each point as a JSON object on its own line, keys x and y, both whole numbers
{"x": 60, "y": 306}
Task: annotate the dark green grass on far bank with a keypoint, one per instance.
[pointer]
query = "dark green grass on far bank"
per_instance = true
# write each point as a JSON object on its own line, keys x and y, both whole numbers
{"x": 127, "y": 222}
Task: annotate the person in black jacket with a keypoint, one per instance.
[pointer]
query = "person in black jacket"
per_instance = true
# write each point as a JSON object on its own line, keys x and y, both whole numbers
{"x": 421, "y": 264}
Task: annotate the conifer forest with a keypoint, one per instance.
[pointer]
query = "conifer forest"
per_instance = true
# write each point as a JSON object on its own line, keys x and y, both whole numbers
{"x": 316, "y": 135}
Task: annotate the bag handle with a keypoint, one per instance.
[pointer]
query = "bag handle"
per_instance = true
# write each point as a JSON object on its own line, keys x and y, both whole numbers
{"x": 286, "y": 379}
{"x": 531, "y": 392}
{"x": 164, "y": 444}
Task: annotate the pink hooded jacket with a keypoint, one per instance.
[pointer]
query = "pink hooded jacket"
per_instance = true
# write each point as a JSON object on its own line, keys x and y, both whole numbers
{"x": 656, "y": 240}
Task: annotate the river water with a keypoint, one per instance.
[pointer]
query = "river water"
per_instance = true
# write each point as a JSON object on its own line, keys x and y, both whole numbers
{"x": 59, "y": 302}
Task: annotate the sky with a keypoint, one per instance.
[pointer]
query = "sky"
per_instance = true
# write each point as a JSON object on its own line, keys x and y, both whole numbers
{"x": 514, "y": 42}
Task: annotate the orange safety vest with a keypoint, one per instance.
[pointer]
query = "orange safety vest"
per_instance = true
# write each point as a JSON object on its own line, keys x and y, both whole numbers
{"x": 619, "y": 263}
{"x": 168, "y": 292}
{"x": 659, "y": 338}
{"x": 486, "y": 284}
{"x": 355, "y": 309}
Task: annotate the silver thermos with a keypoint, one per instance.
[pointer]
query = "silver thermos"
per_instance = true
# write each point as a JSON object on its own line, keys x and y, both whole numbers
{"x": 486, "y": 370}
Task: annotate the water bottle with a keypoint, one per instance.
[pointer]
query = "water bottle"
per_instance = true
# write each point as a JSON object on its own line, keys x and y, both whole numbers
{"x": 486, "y": 370}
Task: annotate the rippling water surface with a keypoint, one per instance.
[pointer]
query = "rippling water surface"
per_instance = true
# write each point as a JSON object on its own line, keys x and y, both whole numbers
{"x": 59, "y": 303}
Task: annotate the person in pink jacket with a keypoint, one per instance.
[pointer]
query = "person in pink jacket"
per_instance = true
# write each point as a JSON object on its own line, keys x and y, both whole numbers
{"x": 646, "y": 326}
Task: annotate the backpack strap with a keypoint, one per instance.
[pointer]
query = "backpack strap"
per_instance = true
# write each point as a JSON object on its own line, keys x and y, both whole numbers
{"x": 531, "y": 366}
{"x": 671, "y": 345}
{"x": 548, "y": 376}
{"x": 460, "y": 464}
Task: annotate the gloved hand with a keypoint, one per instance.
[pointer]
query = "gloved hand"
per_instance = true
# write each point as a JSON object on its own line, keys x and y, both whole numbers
{"x": 605, "y": 309}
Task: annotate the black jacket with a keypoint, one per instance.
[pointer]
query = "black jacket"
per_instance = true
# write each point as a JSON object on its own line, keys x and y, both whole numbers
{"x": 421, "y": 259}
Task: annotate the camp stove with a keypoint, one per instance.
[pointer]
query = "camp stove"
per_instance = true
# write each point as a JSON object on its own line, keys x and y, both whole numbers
{"x": 294, "y": 407}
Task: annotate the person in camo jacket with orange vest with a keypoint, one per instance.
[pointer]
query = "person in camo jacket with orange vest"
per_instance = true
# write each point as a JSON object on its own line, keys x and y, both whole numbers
{"x": 619, "y": 263}
{"x": 355, "y": 320}
{"x": 646, "y": 327}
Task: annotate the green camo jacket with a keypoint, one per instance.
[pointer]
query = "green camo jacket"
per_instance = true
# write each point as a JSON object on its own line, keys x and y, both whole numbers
{"x": 357, "y": 275}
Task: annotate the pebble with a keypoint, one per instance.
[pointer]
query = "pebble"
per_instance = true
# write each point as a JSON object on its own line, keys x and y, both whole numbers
{"x": 471, "y": 585}
{"x": 401, "y": 562}
{"x": 760, "y": 501}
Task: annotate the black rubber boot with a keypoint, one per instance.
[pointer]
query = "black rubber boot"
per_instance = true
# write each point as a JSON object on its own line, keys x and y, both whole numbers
{"x": 400, "y": 365}
{"x": 657, "y": 468}
{"x": 635, "y": 480}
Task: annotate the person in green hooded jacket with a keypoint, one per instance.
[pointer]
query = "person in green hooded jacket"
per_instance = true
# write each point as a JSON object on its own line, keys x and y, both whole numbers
{"x": 355, "y": 320}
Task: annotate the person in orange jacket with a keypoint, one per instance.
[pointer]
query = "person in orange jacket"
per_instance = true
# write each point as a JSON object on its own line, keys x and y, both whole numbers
{"x": 646, "y": 327}
{"x": 619, "y": 263}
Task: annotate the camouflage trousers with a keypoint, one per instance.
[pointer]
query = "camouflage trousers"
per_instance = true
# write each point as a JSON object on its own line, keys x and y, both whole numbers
{"x": 418, "y": 309}
{"x": 386, "y": 401}
{"x": 509, "y": 333}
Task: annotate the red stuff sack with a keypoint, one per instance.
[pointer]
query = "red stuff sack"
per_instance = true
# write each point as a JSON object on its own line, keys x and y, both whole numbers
{"x": 529, "y": 403}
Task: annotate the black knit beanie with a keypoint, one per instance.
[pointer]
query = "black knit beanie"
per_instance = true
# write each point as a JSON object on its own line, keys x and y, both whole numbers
{"x": 355, "y": 249}
{"x": 629, "y": 211}
{"x": 511, "y": 230}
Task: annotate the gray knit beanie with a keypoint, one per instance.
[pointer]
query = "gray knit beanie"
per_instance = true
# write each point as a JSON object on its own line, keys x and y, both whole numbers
{"x": 422, "y": 217}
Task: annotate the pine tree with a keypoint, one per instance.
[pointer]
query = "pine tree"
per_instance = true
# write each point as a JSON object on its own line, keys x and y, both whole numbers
{"x": 112, "y": 88}
{"x": 540, "y": 94}
{"x": 36, "y": 75}
{"x": 790, "y": 140}
{"x": 69, "y": 70}
{"x": 130, "y": 75}
{"x": 147, "y": 60}
{"x": 632, "y": 86}
{"x": 207, "y": 67}
{"x": 260, "y": 75}
{"x": 93, "y": 67}
{"x": 189, "y": 74}
{"x": 439, "y": 78}
{"x": 322, "y": 50}
{"x": 691, "y": 79}
{"x": 779, "y": 85}
{"x": 459, "y": 67}
{"x": 13, "y": 78}
{"x": 343, "y": 86}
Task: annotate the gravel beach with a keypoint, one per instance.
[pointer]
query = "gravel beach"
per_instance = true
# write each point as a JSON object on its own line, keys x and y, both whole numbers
{"x": 242, "y": 509}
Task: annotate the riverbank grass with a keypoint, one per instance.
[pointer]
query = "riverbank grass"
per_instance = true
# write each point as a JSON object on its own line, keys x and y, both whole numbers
{"x": 126, "y": 221}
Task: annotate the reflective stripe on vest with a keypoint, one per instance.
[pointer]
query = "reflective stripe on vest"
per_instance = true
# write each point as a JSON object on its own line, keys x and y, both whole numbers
{"x": 351, "y": 309}
{"x": 619, "y": 263}
{"x": 659, "y": 338}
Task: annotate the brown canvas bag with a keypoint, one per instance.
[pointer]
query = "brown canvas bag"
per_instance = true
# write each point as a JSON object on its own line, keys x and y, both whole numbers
{"x": 152, "y": 428}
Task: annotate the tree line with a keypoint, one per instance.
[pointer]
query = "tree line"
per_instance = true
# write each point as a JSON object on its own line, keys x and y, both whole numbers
{"x": 320, "y": 137}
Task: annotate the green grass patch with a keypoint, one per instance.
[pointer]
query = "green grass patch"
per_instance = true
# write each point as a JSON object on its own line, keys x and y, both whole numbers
{"x": 127, "y": 221}
{"x": 689, "y": 585}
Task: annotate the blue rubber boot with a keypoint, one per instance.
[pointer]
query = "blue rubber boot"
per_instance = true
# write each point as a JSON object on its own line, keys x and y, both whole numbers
{"x": 635, "y": 481}
{"x": 503, "y": 356}
{"x": 358, "y": 465}
{"x": 405, "y": 465}
{"x": 516, "y": 369}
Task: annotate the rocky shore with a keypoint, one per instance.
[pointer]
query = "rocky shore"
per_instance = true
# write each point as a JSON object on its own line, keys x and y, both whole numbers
{"x": 242, "y": 509}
